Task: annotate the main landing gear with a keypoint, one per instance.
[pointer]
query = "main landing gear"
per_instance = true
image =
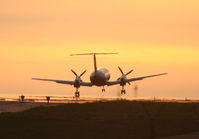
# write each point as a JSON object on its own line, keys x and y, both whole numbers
{"x": 77, "y": 93}
{"x": 123, "y": 91}
{"x": 103, "y": 89}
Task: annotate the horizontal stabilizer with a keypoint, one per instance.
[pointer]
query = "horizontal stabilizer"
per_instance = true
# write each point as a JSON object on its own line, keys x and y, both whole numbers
{"x": 93, "y": 54}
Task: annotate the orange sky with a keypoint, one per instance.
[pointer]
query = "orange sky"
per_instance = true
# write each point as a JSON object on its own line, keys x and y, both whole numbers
{"x": 36, "y": 38}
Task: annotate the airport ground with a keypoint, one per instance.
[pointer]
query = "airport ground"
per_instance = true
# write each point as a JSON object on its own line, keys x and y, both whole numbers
{"x": 102, "y": 119}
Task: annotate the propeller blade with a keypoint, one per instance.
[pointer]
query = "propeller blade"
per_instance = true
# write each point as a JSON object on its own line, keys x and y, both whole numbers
{"x": 82, "y": 73}
{"x": 119, "y": 78}
{"x": 128, "y": 72}
{"x": 74, "y": 72}
{"x": 135, "y": 88}
{"x": 120, "y": 70}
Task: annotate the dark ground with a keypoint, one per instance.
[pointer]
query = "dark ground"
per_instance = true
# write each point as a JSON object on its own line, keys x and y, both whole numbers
{"x": 102, "y": 120}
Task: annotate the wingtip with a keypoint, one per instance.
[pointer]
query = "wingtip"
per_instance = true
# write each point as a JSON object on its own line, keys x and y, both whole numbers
{"x": 164, "y": 73}
{"x": 34, "y": 78}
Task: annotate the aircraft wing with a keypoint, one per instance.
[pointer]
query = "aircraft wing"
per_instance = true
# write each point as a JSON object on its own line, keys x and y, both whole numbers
{"x": 134, "y": 79}
{"x": 89, "y": 84}
{"x": 64, "y": 82}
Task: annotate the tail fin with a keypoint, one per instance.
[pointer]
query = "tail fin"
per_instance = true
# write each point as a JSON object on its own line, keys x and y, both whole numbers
{"x": 94, "y": 56}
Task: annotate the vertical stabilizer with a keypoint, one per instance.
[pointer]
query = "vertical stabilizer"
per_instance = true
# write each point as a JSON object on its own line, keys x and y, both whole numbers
{"x": 95, "y": 62}
{"x": 94, "y": 57}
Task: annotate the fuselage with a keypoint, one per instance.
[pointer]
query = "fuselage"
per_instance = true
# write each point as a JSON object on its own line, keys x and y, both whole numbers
{"x": 100, "y": 77}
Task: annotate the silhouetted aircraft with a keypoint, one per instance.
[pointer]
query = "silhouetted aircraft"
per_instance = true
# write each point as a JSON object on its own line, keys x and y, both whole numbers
{"x": 100, "y": 77}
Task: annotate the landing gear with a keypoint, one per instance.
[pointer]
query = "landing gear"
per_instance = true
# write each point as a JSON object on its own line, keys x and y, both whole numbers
{"x": 123, "y": 91}
{"x": 103, "y": 89}
{"x": 77, "y": 93}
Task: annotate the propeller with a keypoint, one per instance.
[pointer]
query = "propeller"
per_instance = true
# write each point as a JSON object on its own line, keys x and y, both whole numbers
{"x": 78, "y": 78}
{"x": 82, "y": 73}
{"x": 77, "y": 82}
{"x": 124, "y": 75}
{"x": 118, "y": 92}
{"x": 135, "y": 90}
{"x": 77, "y": 74}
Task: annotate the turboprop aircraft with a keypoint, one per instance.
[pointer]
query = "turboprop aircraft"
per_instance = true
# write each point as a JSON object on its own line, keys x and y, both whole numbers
{"x": 100, "y": 77}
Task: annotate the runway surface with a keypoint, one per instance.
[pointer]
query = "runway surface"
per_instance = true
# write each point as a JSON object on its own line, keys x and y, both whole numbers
{"x": 16, "y": 106}
{"x": 194, "y": 135}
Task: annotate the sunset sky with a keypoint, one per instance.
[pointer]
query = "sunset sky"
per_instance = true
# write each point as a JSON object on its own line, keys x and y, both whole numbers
{"x": 151, "y": 37}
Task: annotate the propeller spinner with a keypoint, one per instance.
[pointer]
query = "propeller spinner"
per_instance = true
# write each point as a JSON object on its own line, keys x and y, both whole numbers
{"x": 123, "y": 77}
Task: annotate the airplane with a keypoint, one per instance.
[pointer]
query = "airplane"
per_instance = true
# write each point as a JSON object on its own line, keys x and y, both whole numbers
{"x": 100, "y": 77}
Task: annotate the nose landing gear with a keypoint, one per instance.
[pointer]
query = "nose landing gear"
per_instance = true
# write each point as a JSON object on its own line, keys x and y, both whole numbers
{"x": 103, "y": 89}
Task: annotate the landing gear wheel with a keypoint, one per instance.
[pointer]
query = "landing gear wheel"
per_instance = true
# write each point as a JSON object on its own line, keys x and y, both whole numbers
{"x": 103, "y": 90}
{"x": 77, "y": 94}
{"x": 123, "y": 91}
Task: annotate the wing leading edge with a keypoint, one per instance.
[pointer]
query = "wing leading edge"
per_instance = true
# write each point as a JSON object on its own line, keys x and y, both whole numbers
{"x": 89, "y": 84}
{"x": 64, "y": 82}
{"x": 134, "y": 79}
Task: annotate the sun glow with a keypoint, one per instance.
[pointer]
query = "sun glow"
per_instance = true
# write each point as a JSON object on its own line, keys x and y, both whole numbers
{"x": 37, "y": 38}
